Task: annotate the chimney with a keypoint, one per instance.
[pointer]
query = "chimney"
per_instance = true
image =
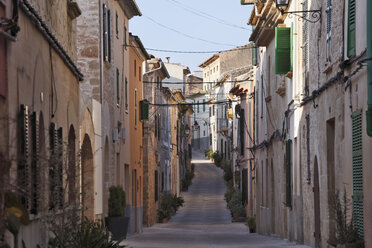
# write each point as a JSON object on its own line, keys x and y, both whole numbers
{"x": 167, "y": 58}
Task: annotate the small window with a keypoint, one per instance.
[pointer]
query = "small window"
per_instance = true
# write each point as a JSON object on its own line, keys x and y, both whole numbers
{"x": 126, "y": 94}
{"x": 135, "y": 108}
{"x": 117, "y": 86}
{"x": 117, "y": 24}
{"x": 140, "y": 73}
{"x": 125, "y": 36}
{"x": 135, "y": 68}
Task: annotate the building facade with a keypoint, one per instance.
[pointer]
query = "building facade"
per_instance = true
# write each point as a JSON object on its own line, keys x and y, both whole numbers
{"x": 41, "y": 111}
{"x": 137, "y": 55}
{"x": 310, "y": 130}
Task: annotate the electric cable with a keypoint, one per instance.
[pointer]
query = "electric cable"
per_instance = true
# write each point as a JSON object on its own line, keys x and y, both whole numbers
{"x": 204, "y": 82}
{"x": 207, "y": 16}
{"x": 187, "y": 35}
{"x": 192, "y": 52}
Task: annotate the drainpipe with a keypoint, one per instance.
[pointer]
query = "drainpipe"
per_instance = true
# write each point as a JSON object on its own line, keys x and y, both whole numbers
{"x": 369, "y": 68}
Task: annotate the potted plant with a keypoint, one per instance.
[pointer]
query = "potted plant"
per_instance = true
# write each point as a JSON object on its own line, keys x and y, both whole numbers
{"x": 116, "y": 221}
{"x": 251, "y": 223}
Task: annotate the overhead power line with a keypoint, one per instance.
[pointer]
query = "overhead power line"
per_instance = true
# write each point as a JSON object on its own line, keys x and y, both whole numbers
{"x": 206, "y": 15}
{"x": 192, "y": 104}
{"x": 180, "y": 51}
{"x": 187, "y": 35}
{"x": 205, "y": 82}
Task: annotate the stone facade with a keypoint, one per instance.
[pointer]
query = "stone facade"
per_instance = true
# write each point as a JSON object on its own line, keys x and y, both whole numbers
{"x": 42, "y": 107}
{"x": 154, "y": 73}
{"x": 306, "y": 125}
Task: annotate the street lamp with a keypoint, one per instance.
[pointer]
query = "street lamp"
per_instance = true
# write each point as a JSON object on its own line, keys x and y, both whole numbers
{"x": 282, "y": 6}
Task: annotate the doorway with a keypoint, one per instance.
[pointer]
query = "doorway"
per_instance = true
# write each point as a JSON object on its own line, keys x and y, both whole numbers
{"x": 316, "y": 204}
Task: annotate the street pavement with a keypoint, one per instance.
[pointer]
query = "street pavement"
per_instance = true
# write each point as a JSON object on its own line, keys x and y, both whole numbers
{"x": 204, "y": 221}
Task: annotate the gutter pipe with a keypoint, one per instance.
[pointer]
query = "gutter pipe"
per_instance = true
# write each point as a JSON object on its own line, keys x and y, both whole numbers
{"x": 369, "y": 68}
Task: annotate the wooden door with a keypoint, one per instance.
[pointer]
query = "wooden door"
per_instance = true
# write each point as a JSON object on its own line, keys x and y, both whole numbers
{"x": 316, "y": 204}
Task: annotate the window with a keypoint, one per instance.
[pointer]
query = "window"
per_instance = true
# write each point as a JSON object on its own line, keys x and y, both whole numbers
{"x": 283, "y": 50}
{"x": 288, "y": 173}
{"x": 156, "y": 186}
{"x": 104, "y": 17}
{"x": 351, "y": 29}
{"x": 117, "y": 24}
{"x": 329, "y": 22}
{"x": 135, "y": 108}
{"x": 197, "y": 106}
{"x": 140, "y": 73}
{"x": 357, "y": 160}
{"x": 125, "y": 36}
{"x": 126, "y": 94}
{"x": 117, "y": 86}
{"x": 242, "y": 132}
{"x": 135, "y": 68}
{"x": 214, "y": 110}
{"x": 305, "y": 51}
{"x": 108, "y": 35}
{"x": 210, "y": 111}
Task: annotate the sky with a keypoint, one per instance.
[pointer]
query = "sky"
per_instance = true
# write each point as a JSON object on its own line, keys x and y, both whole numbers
{"x": 215, "y": 25}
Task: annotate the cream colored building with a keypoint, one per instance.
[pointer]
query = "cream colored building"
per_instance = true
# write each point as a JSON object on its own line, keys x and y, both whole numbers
{"x": 42, "y": 112}
{"x": 311, "y": 139}
{"x": 104, "y": 57}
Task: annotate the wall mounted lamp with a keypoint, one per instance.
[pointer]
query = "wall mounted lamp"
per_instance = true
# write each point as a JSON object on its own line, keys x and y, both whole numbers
{"x": 315, "y": 15}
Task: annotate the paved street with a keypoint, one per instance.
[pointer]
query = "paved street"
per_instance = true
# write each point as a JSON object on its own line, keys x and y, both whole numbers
{"x": 204, "y": 221}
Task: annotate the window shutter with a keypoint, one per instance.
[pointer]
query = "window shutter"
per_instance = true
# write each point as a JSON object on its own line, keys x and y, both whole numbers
{"x": 291, "y": 48}
{"x": 23, "y": 154}
{"x": 282, "y": 50}
{"x": 117, "y": 86}
{"x": 351, "y": 29}
{"x": 109, "y": 35}
{"x": 254, "y": 55}
{"x": 104, "y": 23}
{"x": 60, "y": 168}
{"x": 144, "y": 110}
{"x": 357, "y": 160}
{"x": 34, "y": 162}
{"x": 288, "y": 173}
{"x": 242, "y": 132}
{"x": 156, "y": 186}
{"x": 52, "y": 165}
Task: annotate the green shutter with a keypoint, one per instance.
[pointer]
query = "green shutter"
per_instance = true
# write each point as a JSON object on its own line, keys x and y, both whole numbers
{"x": 144, "y": 105}
{"x": 288, "y": 173}
{"x": 254, "y": 54}
{"x": 357, "y": 135}
{"x": 282, "y": 50}
{"x": 291, "y": 47}
{"x": 351, "y": 29}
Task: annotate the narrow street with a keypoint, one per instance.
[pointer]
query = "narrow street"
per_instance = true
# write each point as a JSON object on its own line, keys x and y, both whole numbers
{"x": 204, "y": 221}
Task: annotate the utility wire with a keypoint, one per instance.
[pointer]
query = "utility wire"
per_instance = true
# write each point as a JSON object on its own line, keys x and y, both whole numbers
{"x": 205, "y": 82}
{"x": 187, "y": 52}
{"x": 192, "y": 104}
{"x": 206, "y": 15}
{"x": 187, "y": 35}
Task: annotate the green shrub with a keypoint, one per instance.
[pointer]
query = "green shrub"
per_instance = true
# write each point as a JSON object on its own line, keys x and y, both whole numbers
{"x": 169, "y": 204}
{"x": 235, "y": 204}
{"x": 228, "y": 175}
{"x": 86, "y": 233}
{"x": 208, "y": 153}
{"x": 116, "y": 202}
{"x": 217, "y": 158}
{"x": 346, "y": 233}
{"x": 251, "y": 223}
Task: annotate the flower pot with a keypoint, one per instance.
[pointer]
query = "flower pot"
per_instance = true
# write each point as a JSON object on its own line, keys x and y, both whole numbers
{"x": 118, "y": 226}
